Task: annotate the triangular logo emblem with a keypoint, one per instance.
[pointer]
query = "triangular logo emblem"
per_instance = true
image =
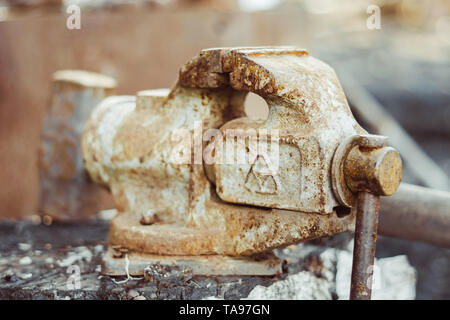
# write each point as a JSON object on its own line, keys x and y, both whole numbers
{"x": 259, "y": 178}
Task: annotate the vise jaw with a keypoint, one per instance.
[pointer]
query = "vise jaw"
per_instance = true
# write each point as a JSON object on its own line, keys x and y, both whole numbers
{"x": 164, "y": 156}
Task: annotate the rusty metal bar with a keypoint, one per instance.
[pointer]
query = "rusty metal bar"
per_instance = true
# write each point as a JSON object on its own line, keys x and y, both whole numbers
{"x": 365, "y": 243}
{"x": 417, "y": 213}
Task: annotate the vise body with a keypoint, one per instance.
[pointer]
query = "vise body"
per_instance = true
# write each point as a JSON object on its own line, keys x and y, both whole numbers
{"x": 193, "y": 177}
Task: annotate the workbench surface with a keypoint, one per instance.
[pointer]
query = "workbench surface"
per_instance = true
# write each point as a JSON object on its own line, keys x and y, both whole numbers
{"x": 37, "y": 262}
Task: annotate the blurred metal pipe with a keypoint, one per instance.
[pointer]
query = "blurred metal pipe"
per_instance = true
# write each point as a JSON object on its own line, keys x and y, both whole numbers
{"x": 417, "y": 213}
{"x": 372, "y": 112}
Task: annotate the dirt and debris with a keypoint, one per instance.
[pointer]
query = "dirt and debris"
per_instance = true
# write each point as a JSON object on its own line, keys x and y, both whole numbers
{"x": 25, "y": 261}
{"x": 393, "y": 277}
{"x": 24, "y": 246}
{"x": 301, "y": 286}
{"x": 77, "y": 254}
{"x": 316, "y": 263}
{"x": 167, "y": 276}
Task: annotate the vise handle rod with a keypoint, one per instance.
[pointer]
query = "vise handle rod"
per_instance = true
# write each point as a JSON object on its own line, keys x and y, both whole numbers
{"x": 369, "y": 172}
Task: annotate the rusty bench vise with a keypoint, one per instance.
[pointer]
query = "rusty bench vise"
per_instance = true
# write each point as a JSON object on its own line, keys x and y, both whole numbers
{"x": 173, "y": 162}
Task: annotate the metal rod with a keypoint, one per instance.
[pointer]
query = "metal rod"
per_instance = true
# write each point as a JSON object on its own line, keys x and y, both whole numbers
{"x": 365, "y": 243}
{"x": 417, "y": 213}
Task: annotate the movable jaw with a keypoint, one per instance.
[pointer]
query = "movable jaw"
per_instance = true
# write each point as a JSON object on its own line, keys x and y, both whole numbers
{"x": 308, "y": 118}
{"x": 176, "y": 195}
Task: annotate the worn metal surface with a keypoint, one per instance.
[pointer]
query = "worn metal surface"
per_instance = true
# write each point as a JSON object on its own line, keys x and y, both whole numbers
{"x": 307, "y": 110}
{"x": 364, "y": 163}
{"x": 376, "y": 170}
{"x": 342, "y": 192}
{"x": 130, "y": 147}
{"x": 66, "y": 192}
{"x": 364, "y": 246}
{"x": 213, "y": 265}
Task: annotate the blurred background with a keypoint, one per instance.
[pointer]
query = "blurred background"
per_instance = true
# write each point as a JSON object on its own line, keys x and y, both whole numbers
{"x": 401, "y": 57}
